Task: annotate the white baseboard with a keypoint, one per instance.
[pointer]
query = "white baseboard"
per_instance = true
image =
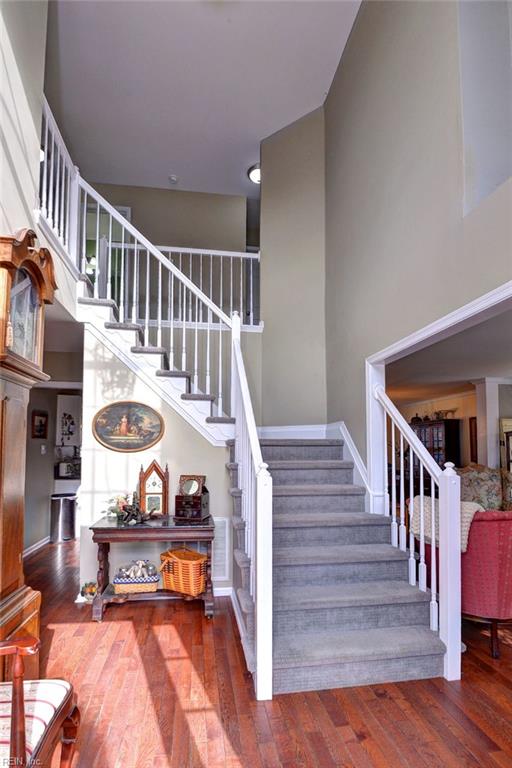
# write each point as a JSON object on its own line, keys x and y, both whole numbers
{"x": 222, "y": 591}
{"x": 35, "y": 547}
{"x": 293, "y": 432}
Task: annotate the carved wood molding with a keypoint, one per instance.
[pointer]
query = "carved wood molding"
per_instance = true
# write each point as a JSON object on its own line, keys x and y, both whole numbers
{"x": 20, "y": 251}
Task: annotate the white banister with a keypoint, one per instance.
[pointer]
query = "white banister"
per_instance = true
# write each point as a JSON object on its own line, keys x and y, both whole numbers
{"x": 255, "y": 483}
{"x": 415, "y": 468}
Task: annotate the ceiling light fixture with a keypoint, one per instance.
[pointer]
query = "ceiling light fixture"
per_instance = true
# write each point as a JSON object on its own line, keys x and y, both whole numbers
{"x": 254, "y": 173}
{"x": 173, "y": 179}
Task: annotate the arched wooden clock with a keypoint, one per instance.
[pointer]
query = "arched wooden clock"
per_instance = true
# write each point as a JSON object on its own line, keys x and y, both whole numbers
{"x": 26, "y": 285}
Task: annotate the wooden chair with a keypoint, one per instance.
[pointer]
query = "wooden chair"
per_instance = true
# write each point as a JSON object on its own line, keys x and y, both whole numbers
{"x": 35, "y": 714}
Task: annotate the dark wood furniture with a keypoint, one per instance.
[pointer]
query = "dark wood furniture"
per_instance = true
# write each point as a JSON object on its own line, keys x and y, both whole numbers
{"x": 109, "y": 531}
{"x": 26, "y": 285}
{"x": 63, "y": 725}
{"x": 441, "y": 439}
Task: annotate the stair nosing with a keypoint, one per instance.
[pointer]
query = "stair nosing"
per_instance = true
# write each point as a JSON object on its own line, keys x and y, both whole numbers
{"x": 287, "y": 520}
{"x": 326, "y": 489}
{"x": 432, "y": 646}
{"x": 339, "y": 554}
{"x": 300, "y": 603}
{"x": 279, "y": 464}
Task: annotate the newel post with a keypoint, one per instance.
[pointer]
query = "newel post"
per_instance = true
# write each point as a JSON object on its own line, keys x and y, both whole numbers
{"x": 263, "y": 596}
{"x": 449, "y": 571}
{"x": 74, "y": 217}
{"x": 376, "y": 450}
{"x": 235, "y": 336}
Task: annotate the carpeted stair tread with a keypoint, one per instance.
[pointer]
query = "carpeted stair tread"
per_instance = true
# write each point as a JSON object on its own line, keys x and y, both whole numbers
{"x": 288, "y": 598}
{"x": 316, "y": 649}
{"x": 299, "y": 441}
{"x": 342, "y": 553}
{"x": 343, "y": 489}
{"x": 309, "y": 464}
{"x": 328, "y": 519}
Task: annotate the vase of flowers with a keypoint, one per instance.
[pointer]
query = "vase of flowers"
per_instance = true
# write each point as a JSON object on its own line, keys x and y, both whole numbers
{"x": 117, "y": 504}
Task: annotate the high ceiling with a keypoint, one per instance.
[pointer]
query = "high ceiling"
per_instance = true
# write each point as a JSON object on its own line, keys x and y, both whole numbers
{"x": 448, "y": 367}
{"x": 147, "y": 89}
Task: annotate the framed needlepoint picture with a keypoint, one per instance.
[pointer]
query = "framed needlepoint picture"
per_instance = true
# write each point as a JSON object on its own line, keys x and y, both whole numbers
{"x": 40, "y": 425}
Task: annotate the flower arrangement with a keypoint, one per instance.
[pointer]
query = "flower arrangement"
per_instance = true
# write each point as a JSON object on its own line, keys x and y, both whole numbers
{"x": 117, "y": 504}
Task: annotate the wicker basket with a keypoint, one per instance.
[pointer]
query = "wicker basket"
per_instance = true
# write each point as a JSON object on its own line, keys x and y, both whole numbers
{"x": 184, "y": 570}
{"x": 131, "y": 587}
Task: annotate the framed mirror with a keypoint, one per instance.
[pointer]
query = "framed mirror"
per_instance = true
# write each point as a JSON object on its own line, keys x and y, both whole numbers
{"x": 154, "y": 490}
{"x": 191, "y": 485}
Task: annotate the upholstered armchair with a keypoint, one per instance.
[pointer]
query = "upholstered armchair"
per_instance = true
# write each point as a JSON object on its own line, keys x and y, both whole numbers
{"x": 35, "y": 714}
{"x": 487, "y": 572}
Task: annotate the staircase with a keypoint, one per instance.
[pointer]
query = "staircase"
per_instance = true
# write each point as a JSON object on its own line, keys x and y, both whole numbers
{"x": 326, "y": 595}
{"x": 344, "y": 613}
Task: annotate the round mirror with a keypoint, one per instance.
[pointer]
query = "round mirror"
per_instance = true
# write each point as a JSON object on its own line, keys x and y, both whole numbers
{"x": 190, "y": 487}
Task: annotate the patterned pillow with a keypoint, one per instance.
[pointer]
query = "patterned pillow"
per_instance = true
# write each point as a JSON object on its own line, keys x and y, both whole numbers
{"x": 482, "y": 486}
{"x": 506, "y": 483}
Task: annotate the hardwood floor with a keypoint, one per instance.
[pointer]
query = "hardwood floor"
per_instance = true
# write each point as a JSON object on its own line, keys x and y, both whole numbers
{"x": 160, "y": 685}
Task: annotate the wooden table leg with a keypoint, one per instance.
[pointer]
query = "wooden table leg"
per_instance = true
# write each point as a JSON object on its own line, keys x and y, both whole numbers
{"x": 208, "y": 595}
{"x": 102, "y": 581}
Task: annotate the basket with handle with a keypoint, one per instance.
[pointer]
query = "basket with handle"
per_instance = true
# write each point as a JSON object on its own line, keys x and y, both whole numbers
{"x": 184, "y": 570}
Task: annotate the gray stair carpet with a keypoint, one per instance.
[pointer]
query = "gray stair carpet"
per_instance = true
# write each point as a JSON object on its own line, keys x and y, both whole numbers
{"x": 344, "y": 612}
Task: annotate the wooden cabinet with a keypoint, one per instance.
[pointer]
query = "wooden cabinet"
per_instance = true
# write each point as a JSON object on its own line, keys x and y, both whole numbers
{"x": 26, "y": 284}
{"x": 441, "y": 439}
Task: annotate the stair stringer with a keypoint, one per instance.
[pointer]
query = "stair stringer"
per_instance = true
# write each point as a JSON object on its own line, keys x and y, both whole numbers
{"x": 120, "y": 342}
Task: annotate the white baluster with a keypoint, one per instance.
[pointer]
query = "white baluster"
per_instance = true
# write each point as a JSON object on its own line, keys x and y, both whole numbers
{"x": 44, "y": 196}
{"x": 434, "y": 616}
{"x": 251, "y": 299}
{"x": 209, "y": 315}
{"x": 219, "y": 388}
{"x": 190, "y": 292}
{"x": 159, "y": 318}
{"x": 51, "y": 189}
{"x": 121, "y": 281}
{"x": 148, "y": 296}
{"x": 221, "y": 305}
{"x": 84, "y": 236}
{"x": 184, "y": 332}
{"x": 241, "y": 291}
{"x": 171, "y": 320}
{"x": 211, "y": 276}
{"x": 412, "y": 559}
{"x": 230, "y": 285}
{"x": 97, "y": 254}
{"x": 196, "y": 373}
{"x": 135, "y": 291}
{"x": 394, "y": 523}
{"x": 56, "y": 222}
{"x": 74, "y": 218}
{"x": 385, "y": 485}
{"x": 422, "y": 571}
{"x": 62, "y": 190}
{"x": 402, "y": 531}
{"x": 109, "y": 259}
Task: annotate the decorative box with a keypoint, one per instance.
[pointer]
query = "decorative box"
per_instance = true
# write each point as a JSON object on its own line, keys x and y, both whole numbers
{"x": 193, "y": 508}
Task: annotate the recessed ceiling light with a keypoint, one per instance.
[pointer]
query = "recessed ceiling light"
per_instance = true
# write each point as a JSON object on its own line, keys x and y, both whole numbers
{"x": 254, "y": 173}
{"x": 173, "y": 179}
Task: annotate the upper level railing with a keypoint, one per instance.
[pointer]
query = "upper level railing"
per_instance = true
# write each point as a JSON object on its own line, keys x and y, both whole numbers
{"x": 432, "y": 516}
{"x": 231, "y": 279}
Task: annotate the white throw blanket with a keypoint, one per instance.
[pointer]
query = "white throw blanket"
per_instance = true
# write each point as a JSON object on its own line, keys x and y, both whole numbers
{"x": 468, "y": 510}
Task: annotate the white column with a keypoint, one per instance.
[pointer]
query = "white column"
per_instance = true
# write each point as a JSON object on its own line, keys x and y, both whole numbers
{"x": 449, "y": 571}
{"x": 488, "y": 422}
{"x": 375, "y": 426}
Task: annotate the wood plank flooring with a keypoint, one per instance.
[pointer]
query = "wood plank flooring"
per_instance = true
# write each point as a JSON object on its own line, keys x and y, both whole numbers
{"x": 159, "y": 685}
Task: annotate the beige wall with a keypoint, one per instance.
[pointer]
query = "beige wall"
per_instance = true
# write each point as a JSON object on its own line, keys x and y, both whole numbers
{"x": 187, "y": 219}
{"x": 505, "y": 401}
{"x": 23, "y": 43}
{"x": 106, "y": 473}
{"x": 64, "y": 366}
{"x": 398, "y": 252}
{"x": 465, "y": 403}
{"x": 293, "y": 274}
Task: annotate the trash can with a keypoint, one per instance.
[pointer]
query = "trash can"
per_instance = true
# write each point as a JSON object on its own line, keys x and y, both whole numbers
{"x": 62, "y": 517}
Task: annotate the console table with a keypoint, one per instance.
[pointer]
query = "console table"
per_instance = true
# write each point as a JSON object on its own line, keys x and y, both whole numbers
{"x": 109, "y": 531}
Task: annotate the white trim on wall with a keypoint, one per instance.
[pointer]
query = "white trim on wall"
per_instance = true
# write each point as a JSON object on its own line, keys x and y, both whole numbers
{"x": 59, "y": 384}
{"x": 36, "y": 547}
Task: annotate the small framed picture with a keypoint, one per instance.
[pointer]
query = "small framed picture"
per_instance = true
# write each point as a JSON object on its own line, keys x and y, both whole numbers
{"x": 40, "y": 425}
